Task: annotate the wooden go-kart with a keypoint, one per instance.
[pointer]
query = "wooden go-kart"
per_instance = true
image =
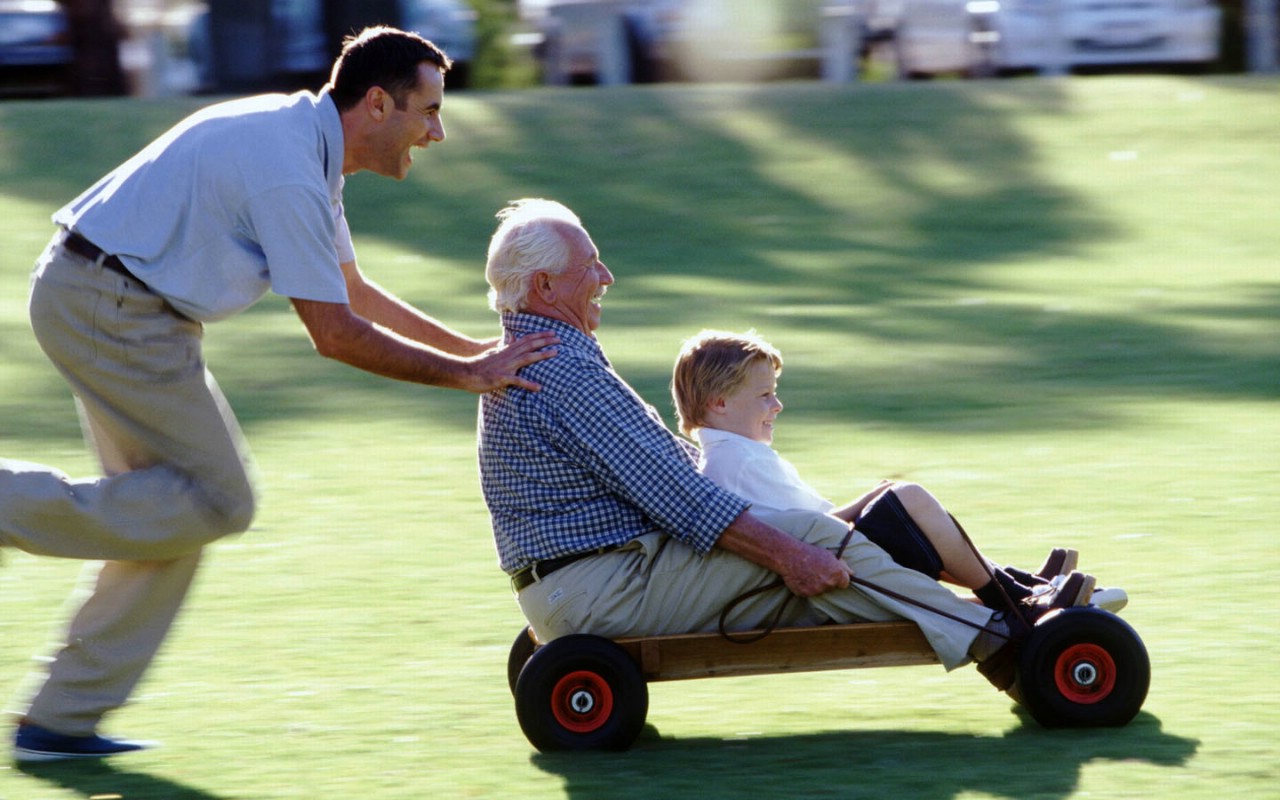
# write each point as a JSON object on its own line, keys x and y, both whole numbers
{"x": 1080, "y": 667}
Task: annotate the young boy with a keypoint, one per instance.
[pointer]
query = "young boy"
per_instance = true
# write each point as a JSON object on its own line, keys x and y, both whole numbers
{"x": 725, "y": 391}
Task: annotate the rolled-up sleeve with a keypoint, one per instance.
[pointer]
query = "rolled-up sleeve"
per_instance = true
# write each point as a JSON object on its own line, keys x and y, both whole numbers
{"x": 612, "y": 433}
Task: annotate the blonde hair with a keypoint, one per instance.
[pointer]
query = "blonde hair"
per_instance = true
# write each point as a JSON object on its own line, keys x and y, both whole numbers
{"x": 714, "y": 364}
{"x": 530, "y": 238}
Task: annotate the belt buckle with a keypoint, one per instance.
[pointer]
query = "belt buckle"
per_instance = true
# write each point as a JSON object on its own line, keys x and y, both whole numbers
{"x": 67, "y": 243}
{"x": 533, "y": 572}
{"x": 526, "y": 577}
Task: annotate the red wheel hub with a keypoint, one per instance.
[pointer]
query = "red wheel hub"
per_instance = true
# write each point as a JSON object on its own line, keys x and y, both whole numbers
{"x": 1085, "y": 673}
{"x": 582, "y": 701}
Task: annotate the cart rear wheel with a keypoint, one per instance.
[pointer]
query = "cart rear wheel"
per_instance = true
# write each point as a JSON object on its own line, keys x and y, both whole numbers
{"x": 521, "y": 650}
{"x": 581, "y": 692}
{"x": 1083, "y": 667}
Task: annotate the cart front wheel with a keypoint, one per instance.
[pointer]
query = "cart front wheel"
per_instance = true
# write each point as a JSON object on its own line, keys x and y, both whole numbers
{"x": 1083, "y": 667}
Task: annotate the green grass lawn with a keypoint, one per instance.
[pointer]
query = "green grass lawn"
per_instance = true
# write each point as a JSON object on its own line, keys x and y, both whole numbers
{"x": 1055, "y": 303}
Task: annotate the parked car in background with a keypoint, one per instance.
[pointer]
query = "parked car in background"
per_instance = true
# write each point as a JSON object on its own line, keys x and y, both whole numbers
{"x": 239, "y": 45}
{"x": 35, "y": 49}
{"x": 604, "y": 41}
{"x": 639, "y": 41}
{"x": 981, "y": 37}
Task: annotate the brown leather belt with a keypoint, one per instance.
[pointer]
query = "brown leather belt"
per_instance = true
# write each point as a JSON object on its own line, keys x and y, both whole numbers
{"x": 540, "y": 569}
{"x": 87, "y": 249}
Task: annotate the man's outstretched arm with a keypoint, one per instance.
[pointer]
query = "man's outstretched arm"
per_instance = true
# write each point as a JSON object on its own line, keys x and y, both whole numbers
{"x": 339, "y": 333}
{"x": 381, "y": 307}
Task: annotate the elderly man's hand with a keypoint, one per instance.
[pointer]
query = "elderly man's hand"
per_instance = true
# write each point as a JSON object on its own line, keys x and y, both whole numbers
{"x": 807, "y": 569}
{"x": 813, "y": 570}
{"x": 498, "y": 367}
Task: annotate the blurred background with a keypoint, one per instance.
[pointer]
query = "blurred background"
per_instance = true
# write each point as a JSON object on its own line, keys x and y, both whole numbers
{"x": 172, "y": 47}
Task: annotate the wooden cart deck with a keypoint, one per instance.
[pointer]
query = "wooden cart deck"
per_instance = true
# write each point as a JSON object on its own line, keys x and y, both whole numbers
{"x": 709, "y": 655}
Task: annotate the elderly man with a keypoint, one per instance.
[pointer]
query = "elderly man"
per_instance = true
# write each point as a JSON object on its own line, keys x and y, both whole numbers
{"x": 602, "y": 520}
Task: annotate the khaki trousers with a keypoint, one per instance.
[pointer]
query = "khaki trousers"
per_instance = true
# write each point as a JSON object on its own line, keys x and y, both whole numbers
{"x": 657, "y": 585}
{"x": 177, "y": 477}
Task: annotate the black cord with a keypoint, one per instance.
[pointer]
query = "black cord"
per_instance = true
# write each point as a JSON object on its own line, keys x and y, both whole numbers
{"x": 854, "y": 580}
{"x": 777, "y": 615}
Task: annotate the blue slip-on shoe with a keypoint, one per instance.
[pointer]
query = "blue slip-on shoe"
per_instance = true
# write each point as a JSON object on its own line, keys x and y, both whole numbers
{"x": 33, "y": 743}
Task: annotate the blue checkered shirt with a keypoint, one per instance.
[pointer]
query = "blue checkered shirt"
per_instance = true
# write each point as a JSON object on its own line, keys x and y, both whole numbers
{"x": 585, "y": 462}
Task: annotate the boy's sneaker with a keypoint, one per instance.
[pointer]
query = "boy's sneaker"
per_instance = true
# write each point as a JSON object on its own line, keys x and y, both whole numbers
{"x": 1065, "y": 592}
{"x": 1060, "y": 561}
{"x": 36, "y": 744}
{"x": 1112, "y": 598}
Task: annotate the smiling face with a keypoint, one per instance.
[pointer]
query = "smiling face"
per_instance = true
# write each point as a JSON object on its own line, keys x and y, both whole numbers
{"x": 573, "y": 294}
{"x": 400, "y": 127}
{"x": 750, "y": 409}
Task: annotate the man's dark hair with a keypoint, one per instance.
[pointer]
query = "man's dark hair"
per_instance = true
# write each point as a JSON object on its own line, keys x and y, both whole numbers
{"x": 381, "y": 56}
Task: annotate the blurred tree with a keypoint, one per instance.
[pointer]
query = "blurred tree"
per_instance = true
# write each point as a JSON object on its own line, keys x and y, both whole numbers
{"x": 498, "y": 63}
{"x": 95, "y": 41}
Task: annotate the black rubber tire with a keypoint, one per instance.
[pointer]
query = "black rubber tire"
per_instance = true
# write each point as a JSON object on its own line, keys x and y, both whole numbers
{"x": 1083, "y": 667}
{"x": 581, "y": 692}
{"x": 521, "y": 650}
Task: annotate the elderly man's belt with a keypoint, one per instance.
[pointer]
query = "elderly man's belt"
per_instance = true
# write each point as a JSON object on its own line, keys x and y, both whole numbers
{"x": 540, "y": 569}
{"x": 87, "y": 249}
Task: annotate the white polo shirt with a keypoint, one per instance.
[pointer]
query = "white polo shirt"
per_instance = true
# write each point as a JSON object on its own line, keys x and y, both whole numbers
{"x": 756, "y": 473}
{"x": 238, "y": 199}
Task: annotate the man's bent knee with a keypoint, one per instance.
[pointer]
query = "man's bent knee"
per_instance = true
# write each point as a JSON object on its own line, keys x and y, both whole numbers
{"x": 237, "y": 512}
{"x": 240, "y": 516}
{"x": 230, "y": 512}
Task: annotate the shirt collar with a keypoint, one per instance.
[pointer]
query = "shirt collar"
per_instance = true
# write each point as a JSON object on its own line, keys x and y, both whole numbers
{"x": 710, "y": 436}
{"x": 518, "y": 324}
{"x": 331, "y": 132}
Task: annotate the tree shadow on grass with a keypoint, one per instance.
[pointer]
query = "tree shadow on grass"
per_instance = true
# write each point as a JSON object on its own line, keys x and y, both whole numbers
{"x": 106, "y": 779}
{"x": 687, "y": 199}
{"x": 1025, "y": 761}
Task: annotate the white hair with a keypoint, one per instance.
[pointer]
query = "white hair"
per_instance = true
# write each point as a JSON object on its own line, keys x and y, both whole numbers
{"x": 529, "y": 239}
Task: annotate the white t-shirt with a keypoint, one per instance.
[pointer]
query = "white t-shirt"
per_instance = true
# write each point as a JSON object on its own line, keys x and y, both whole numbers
{"x": 755, "y": 472}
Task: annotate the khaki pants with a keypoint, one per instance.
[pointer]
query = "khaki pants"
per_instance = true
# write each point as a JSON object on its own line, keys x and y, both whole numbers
{"x": 656, "y": 585}
{"x": 177, "y": 478}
